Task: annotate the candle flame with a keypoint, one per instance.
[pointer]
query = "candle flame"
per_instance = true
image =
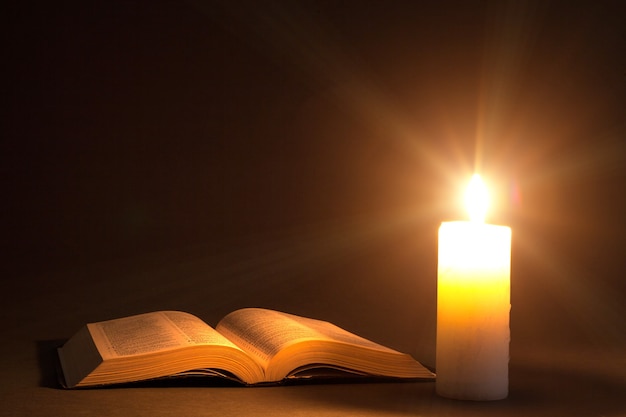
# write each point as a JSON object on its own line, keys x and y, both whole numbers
{"x": 477, "y": 199}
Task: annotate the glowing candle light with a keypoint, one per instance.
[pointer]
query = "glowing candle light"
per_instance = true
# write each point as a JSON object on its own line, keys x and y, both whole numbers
{"x": 473, "y": 304}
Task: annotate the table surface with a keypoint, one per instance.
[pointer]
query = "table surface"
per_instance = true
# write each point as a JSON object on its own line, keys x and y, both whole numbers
{"x": 546, "y": 379}
{"x": 540, "y": 386}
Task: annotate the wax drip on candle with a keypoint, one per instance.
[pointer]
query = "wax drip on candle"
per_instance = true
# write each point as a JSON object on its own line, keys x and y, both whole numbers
{"x": 477, "y": 199}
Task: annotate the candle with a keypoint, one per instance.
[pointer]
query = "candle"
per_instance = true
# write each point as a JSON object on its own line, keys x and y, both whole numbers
{"x": 473, "y": 304}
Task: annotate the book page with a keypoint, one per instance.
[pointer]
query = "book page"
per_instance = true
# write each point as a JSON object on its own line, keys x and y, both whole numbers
{"x": 261, "y": 332}
{"x": 330, "y": 331}
{"x": 264, "y": 333}
{"x": 152, "y": 332}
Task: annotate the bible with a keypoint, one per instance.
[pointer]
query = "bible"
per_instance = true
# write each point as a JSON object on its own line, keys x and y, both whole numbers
{"x": 253, "y": 346}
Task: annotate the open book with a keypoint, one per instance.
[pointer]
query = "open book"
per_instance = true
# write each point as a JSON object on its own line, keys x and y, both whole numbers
{"x": 252, "y": 346}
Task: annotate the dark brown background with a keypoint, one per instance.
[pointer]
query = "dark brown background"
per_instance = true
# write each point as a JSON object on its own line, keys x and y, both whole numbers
{"x": 207, "y": 156}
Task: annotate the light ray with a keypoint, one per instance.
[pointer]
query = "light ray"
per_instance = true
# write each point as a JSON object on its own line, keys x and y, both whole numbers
{"x": 504, "y": 144}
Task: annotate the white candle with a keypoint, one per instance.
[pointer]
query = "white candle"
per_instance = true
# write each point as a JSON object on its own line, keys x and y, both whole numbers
{"x": 473, "y": 305}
